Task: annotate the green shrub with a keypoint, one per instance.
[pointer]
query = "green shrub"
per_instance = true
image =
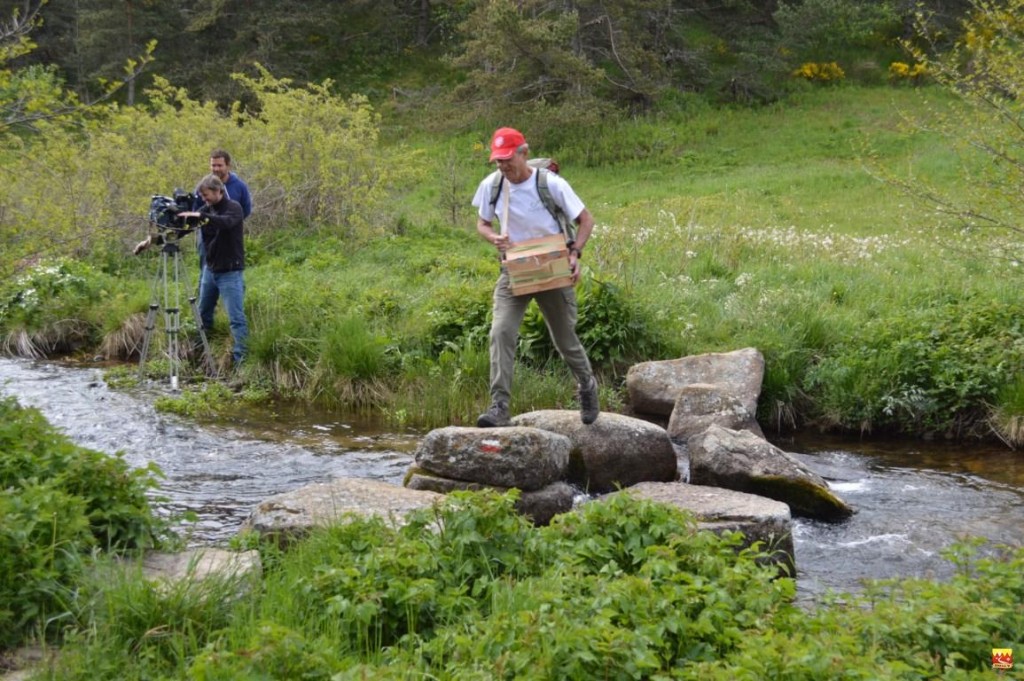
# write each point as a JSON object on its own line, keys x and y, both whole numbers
{"x": 925, "y": 370}
{"x": 617, "y": 589}
{"x": 910, "y": 629}
{"x": 57, "y": 502}
{"x": 43, "y": 532}
{"x": 613, "y": 328}
{"x": 458, "y": 316}
{"x": 274, "y": 652}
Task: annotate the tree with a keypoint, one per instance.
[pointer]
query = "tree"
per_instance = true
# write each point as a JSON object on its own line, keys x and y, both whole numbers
{"x": 824, "y": 30}
{"x": 630, "y": 41}
{"x": 14, "y": 33}
{"x": 984, "y": 71}
{"x": 519, "y": 58}
{"x": 35, "y": 93}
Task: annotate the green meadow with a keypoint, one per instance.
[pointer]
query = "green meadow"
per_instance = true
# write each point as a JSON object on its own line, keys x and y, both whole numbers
{"x": 716, "y": 230}
{"x": 778, "y": 228}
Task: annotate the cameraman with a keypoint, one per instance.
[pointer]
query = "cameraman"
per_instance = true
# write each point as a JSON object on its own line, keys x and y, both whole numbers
{"x": 235, "y": 188}
{"x": 221, "y": 224}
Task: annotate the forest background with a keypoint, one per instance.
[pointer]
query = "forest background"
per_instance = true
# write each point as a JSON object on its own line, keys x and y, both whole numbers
{"x": 834, "y": 183}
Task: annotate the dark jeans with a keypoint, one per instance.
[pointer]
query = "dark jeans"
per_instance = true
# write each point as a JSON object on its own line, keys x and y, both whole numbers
{"x": 230, "y": 287}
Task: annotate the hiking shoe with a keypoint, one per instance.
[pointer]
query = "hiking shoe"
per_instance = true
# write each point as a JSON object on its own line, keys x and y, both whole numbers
{"x": 496, "y": 415}
{"x": 589, "y": 408}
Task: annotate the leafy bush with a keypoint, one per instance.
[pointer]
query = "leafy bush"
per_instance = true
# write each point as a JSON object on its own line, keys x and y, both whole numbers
{"x": 911, "y": 629}
{"x": 825, "y": 28}
{"x": 42, "y": 309}
{"x": 273, "y": 652}
{"x": 43, "y": 532}
{"x": 325, "y": 176}
{"x": 57, "y": 502}
{"x": 927, "y": 370}
{"x": 611, "y": 327}
{"x": 618, "y": 589}
{"x": 459, "y": 316}
{"x": 829, "y": 72}
{"x": 900, "y": 72}
{"x": 473, "y": 590}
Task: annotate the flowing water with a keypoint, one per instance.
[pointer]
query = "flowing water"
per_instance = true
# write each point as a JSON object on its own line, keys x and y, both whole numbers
{"x": 912, "y": 499}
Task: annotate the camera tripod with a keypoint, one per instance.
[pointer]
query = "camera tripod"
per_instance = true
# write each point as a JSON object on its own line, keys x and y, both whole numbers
{"x": 167, "y": 285}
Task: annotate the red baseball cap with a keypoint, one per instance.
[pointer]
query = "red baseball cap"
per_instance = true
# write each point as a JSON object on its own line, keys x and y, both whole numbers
{"x": 505, "y": 142}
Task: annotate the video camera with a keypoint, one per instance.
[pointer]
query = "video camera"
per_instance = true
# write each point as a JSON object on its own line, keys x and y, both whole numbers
{"x": 163, "y": 212}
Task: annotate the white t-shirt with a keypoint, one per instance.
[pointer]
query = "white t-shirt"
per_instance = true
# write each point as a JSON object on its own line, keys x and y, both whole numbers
{"x": 527, "y": 216}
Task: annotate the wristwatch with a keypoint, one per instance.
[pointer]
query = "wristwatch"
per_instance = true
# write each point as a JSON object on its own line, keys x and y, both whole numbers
{"x": 577, "y": 251}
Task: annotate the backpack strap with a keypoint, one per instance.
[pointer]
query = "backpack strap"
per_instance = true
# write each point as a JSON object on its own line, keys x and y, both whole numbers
{"x": 497, "y": 179}
{"x": 541, "y": 182}
{"x": 568, "y": 228}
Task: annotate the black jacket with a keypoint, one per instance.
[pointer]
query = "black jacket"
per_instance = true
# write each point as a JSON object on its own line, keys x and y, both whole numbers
{"x": 222, "y": 234}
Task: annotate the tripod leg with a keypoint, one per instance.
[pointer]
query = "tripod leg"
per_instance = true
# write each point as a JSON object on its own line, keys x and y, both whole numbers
{"x": 211, "y": 369}
{"x": 171, "y": 321}
{"x": 150, "y": 326}
{"x": 173, "y": 317}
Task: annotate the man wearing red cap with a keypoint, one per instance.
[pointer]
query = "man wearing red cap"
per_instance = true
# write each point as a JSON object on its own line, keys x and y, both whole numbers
{"x": 524, "y": 216}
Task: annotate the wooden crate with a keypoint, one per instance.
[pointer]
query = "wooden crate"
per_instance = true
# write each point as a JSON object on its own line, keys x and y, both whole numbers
{"x": 538, "y": 265}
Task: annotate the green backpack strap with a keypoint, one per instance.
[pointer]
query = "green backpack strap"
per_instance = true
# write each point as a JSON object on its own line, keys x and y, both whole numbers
{"x": 497, "y": 179}
{"x": 567, "y": 226}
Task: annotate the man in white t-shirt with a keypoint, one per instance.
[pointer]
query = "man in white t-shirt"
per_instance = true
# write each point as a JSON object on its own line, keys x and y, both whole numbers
{"x": 528, "y": 218}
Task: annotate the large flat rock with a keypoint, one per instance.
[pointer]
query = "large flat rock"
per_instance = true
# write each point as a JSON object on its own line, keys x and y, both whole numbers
{"x": 295, "y": 513}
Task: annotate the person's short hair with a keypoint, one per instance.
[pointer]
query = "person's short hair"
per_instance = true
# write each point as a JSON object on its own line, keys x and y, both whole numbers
{"x": 220, "y": 153}
{"x": 212, "y": 182}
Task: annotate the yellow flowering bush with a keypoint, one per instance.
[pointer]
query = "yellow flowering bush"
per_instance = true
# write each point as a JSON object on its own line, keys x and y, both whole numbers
{"x": 900, "y": 72}
{"x": 815, "y": 72}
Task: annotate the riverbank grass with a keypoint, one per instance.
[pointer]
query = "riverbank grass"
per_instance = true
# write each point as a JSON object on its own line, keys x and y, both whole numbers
{"x": 60, "y": 503}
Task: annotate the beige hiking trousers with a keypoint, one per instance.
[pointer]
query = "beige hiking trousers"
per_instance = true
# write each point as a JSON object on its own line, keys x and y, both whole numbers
{"x": 558, "y": 306}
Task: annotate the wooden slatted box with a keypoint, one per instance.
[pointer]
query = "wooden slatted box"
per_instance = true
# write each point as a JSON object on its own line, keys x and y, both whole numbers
{"x": 538, "y": 265}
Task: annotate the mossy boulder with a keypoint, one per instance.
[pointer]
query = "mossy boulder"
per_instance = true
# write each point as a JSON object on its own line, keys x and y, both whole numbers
{"x": 741, "y": 461}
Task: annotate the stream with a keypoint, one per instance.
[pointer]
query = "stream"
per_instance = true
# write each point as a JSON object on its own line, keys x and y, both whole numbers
{"x": 912, "y": 498}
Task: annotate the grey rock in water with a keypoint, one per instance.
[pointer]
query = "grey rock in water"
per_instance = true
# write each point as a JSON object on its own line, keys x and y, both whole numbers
{"x": 294, "y": 513}
{"x": 614, "y": 451}
{"x": 654, "y": 387}
{"x": 742, "y": 461}
{"x": 199, "y": 563}
{"x": 701, "y": 405}
{"x": 513, "y": 456}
